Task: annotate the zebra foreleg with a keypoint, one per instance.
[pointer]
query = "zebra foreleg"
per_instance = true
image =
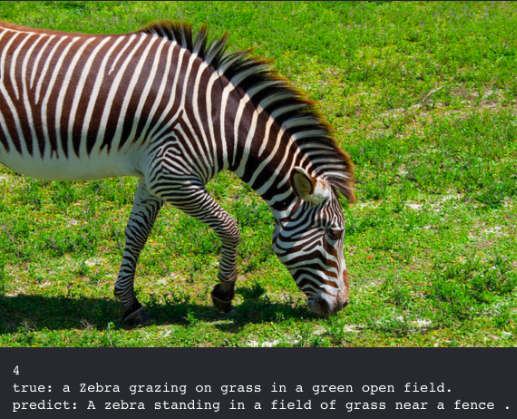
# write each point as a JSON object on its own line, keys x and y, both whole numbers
{"x": 194, "y": 200}
{"x": 144, "y": 212}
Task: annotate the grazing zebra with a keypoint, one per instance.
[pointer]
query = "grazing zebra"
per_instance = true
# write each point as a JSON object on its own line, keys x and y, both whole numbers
{"x": 174, "y": 110}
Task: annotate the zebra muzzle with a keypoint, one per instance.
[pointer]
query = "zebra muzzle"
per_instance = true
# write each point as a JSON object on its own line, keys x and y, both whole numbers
{"x": 326, "y": 305}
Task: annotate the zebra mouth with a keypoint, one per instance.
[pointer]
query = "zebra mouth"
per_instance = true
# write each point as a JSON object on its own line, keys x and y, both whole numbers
{"x": 325, "y": 305}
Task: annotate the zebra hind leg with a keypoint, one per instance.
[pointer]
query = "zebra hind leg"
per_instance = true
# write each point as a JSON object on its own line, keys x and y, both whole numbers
{"x": 144, "y": 212}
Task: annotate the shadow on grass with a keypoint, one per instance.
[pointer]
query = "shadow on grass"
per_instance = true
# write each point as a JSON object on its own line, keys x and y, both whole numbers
{"x": 37, "y": 313}
{"x": 56, "y": 313}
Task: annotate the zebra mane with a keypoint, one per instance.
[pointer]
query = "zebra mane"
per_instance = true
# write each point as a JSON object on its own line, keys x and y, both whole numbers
{"x": 289, "y": 107}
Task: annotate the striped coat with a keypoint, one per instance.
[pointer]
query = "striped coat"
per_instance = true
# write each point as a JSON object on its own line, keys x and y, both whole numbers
{"x": 174, "y": 110}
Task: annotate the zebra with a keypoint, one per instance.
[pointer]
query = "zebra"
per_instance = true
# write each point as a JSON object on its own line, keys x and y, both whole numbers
{"x": 173, "y": 109}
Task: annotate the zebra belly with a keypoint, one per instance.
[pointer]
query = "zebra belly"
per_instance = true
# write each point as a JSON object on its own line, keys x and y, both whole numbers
{"x": 73, "y": 168}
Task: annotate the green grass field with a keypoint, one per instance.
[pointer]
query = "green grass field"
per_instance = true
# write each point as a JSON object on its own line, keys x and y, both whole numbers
{"x": 422, "y": 95}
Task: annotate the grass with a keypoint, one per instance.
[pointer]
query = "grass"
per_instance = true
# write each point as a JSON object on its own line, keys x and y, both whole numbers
{"x": 421, "y": 94}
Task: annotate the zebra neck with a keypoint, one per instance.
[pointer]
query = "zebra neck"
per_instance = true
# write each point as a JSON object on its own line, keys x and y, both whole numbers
{"x": 259, "y": 151}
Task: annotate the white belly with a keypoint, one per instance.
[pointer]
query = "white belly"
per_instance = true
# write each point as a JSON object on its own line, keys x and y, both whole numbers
{"x": 74, "y": 168}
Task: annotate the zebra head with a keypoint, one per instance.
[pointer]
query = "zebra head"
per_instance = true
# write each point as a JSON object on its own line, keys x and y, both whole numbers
{"x": 309, "y": 242}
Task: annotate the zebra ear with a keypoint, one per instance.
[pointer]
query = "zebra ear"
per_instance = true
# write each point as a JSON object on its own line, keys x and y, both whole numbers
{"x": 309, "y": 188}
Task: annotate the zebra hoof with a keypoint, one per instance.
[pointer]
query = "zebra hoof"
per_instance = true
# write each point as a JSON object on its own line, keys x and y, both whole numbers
{"x": 137, "y": 317}
{"x": 224, "y": 306}
{"x": 221, "y": 299}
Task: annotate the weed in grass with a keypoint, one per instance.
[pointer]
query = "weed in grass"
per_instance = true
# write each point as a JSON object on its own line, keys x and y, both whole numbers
{"x": 24, "y": 336}
{"x": 87, "y": 326}
{"x": 192, "y": 320}
{"x": 397, "y": 294}
{"x": 453, "y": 299}
{"x": 82, "y": 270}
{"x": 306, "y": 334}
{"x": 108, "y": 337}
{"x": 503, "y": 319}
{"x": 336, "y": 331}
{"x": 494, "y": 279}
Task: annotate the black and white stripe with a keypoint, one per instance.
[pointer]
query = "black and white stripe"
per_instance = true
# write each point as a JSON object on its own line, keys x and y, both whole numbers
{"x": 174, "y": 111}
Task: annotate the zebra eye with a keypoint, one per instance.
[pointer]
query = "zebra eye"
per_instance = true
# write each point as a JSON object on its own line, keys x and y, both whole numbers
{"x": 334, "y": 234}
